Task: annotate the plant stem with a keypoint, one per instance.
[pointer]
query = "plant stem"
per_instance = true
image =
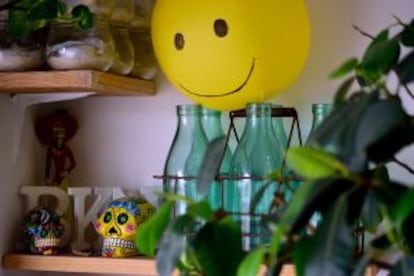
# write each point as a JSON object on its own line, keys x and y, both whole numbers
{"x": 409, "y": 92}
{"x": 362, "y": 32}
{"x": 402, "y": 164}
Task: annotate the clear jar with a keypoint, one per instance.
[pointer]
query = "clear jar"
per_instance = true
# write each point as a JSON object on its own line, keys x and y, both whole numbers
{"x": 121, "y": 15}
{"x": 124, "y": 51}
{"x": 145, "y": 63}
{"x": 69, "y": 47}
{"x": 20, "y": 53}
{"x": 122, "y": 12}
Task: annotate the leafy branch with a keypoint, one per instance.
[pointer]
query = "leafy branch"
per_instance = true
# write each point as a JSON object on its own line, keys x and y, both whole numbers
{"x": 25, "y": 16}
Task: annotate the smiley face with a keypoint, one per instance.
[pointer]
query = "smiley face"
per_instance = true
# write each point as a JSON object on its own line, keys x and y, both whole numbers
{"x": 224, "y": 54}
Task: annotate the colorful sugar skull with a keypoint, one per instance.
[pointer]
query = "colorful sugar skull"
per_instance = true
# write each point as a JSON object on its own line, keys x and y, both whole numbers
{"x": 42, "y": 231}
{"x": 118, "y": 225}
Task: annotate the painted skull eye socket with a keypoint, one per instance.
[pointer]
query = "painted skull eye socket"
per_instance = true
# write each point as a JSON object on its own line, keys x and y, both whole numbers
{"x": 122, "y": 218}
{"x": 107, "y": 217}
{"x": 59, "y": 230}
{"x": 220, "y": 27}
{"x": 43, "y": 233}
{"x": 179, "y": 41}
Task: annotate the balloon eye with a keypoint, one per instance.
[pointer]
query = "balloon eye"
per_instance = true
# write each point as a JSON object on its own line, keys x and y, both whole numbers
{"x": 179, "y": 41}
{"x": 220, "y": 27}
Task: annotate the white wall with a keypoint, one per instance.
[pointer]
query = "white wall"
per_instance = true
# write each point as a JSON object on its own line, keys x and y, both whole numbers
{"x": 13, "y": 174}
{"x": 124, "y": 141}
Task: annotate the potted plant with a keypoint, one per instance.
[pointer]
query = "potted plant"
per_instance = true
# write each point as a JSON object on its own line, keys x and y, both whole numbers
{"x": 23, "y": 29}
{"x": 345, "y": 179}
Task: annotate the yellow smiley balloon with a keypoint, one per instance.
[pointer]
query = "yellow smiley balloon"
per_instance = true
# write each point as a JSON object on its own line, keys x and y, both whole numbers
{"x": 224, "y": 54}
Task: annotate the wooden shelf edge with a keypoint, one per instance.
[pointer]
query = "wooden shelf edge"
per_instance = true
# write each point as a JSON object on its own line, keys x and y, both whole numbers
{"x": 101, "y": 83}
{"x": 136, "y": 265}
{"x": 67, "y": 263}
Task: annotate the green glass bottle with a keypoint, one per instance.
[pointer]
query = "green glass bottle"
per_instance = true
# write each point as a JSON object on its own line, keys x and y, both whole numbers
{"x": 185, "y": 155}
{"x": 280, "y": 130}
{"x": 319, "y": 112}
{"x": 282, "y": 138}
{"x": 257, "y": 154}
{"x": 212, "y": 125}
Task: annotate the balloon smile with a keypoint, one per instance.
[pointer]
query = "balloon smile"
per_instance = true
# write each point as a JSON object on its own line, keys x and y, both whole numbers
{"x": 209, "y": 95}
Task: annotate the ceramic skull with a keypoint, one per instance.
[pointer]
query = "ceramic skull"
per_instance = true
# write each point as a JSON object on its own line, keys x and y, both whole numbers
{"x": 118, "y": 225}
{"x": 42, "y": 229}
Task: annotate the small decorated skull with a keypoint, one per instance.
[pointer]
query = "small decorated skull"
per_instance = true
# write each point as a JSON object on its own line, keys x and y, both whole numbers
{"x": 42, "y": 229}
{"x": 118, "y": 225}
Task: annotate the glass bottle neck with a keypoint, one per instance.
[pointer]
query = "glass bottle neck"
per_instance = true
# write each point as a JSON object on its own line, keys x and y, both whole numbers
{"x": 320, "y": 111}
{"x": 188, "y": 113}
{"x": 259, "y": 116}
{"x": 211, "y": 121}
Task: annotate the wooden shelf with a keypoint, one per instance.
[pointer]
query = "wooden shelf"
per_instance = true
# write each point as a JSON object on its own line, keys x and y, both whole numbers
{"x": 138, "y": 265}
{"x": 100, "y": 83}
{"x": 60, "y": 263}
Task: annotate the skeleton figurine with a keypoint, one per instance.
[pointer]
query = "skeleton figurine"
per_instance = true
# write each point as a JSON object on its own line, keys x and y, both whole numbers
{"x": 42, "y": 231}
{"x": 118, "y": 225}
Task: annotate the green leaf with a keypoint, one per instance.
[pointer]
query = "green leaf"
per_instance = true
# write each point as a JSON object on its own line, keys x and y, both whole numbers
{"x": 211, "y": 164}
{"x": 370, "y": 215}
{"x": 361, "y": 266}
{"x": 201, "y": 209}
{"x": 312, "y": 196}
{"x": 17, "y": 25}
{"x": 314, "y": 163}
{"x": 378, "y": 121}
{"x": 45, "y": 9}
{"x": 388, "y": 192}
{"x": 149, "y": 233}
{"x": 356, "y": 199}
{"x": 188, "y": 262}
{"x": 345, "y": 68}
{"x": 184, "y": 224}
{"x": 171, "y": 248}
{"x": 329, "y": 251}
{"x": 403, "y": 208}
{"x": 252, "y": 262}
{"x": 340, "y": 95}
{"x": 407, "y": 35}
{"x": 405, "y": 69}
{"x": 259, "y": 195}
{"x": 82, "y": 16}
{"x": 384, "y": 130}
{"x": 381, "y": 37}
{"x": 218, "y": 247}
{"x": 26, "y": 16}
{"x": 336, "y": 134}
{"x": 407, "y": 233}
{"x": 381, "y": 55}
